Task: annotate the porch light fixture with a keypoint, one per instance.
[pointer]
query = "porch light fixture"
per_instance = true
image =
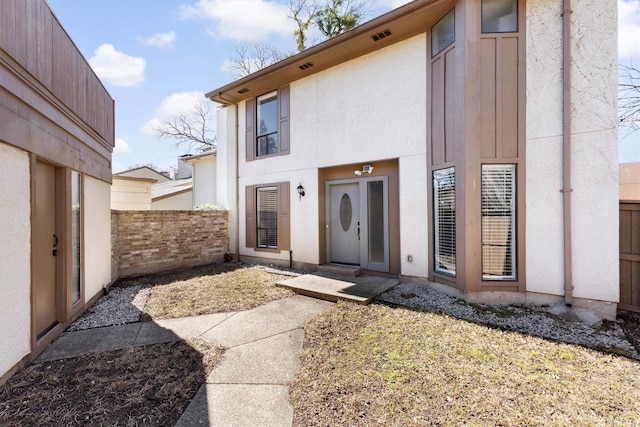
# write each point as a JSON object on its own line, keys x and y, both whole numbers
{"x": 300, "y": 190}
{"x": 365, "y": 169}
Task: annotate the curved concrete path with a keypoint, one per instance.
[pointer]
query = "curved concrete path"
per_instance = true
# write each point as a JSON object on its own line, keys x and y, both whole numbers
{"x": 249, "y": 386}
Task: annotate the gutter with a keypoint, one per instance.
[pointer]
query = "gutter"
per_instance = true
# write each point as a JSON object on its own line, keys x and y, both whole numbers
{"x": 566, "y": 150}
{"x": 237, "y": 230}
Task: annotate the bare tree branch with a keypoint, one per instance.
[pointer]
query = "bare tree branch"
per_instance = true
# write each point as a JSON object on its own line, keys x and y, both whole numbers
{"x": 249, "y": 59}
{"x": 629, "y": 97}
{"x": 189, "y": 129}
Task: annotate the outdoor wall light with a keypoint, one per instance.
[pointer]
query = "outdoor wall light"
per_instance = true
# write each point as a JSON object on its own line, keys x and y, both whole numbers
{"x": 300, "y": 190}
{"x": 365, "y": 169}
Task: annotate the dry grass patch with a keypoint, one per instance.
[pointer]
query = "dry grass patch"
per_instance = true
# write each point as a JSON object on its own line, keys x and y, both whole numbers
{"x": 209, "y": 289}
{"x": 149, "y": 385}
{"x": 376, "y": 365}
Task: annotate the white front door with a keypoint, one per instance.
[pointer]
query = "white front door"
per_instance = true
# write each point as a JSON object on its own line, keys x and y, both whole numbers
{"x": 357, "y": 223}
{"x": 345, "y": 223}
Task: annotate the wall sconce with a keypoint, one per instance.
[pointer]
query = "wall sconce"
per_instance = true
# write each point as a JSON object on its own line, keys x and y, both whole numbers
{"x": 365, "y": 169}
{"x": 300, "y": 190}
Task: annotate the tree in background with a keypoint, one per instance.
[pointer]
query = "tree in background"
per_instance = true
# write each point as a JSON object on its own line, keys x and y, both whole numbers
{"x": 629, "y": 97}
{"x": 190, "y": 129}
{"x": 327, "y": 17}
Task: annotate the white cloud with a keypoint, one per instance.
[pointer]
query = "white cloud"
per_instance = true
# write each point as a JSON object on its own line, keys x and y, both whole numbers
{"x": 628, "y": 28}
{"x": 173, "y": 105}
{"x": 121, "y": 147}
{"x": 117, "y": 68}
{"x": 249, "y": 20}
{"x": 160, "y": 40}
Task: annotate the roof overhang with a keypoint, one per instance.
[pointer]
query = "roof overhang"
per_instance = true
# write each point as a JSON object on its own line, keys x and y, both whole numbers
{"x": 397, "y": 25}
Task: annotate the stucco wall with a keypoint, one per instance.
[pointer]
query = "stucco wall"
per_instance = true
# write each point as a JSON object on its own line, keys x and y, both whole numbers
{"x": 15, "y": 256}
{"x": 204, "y": 181}
{"x": 97, "y": 236}
{"x": 337, "y": 119}
{"x": 594, "y": 149}
{"x": 182, "y": 201}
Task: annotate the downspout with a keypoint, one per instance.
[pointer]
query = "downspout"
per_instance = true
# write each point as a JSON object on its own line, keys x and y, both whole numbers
{"x": 566, "y": 150}
{"x": 237, "y": 153}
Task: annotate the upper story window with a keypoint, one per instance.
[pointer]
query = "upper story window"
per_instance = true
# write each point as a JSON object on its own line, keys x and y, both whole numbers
{"x": 499, "y": 16}
{"x": 443, "y": 34}
{"x": 267, "y": 124}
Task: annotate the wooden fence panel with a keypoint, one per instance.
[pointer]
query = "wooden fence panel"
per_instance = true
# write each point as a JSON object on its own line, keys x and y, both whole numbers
{"x": 630, "y": 256}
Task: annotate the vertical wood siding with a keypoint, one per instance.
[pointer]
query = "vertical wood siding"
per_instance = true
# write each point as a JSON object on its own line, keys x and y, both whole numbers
{"x": 33, "y": 37}
{"x": 630, "y": 256}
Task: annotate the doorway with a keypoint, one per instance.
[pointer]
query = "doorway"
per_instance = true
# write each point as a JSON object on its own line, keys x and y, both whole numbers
{"x": 357, "y": 223}
{"x": 45, "y": 250}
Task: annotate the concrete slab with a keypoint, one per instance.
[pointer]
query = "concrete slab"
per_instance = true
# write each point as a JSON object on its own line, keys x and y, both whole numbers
{"x": 239, "y": 405}
{"x": 333, "y": 287}
{"x": 193, "y": 326}
{"x": 152, "y": 333}
{"x": 273, "y": 360}
{"x": 264, "y": 321}
{"x": 73, "y": 344}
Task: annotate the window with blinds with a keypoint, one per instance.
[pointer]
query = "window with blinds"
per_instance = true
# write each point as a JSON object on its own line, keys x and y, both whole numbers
{"x": 444, "y": 202}
{"x": 499, "y": 222}
{"x": 267, "y": 217}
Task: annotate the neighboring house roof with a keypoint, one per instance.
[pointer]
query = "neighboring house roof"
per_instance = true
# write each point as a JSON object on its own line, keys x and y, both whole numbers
{"x": 163, "y": 190}
{"x": 213, "y": 153}
{"x": 392, "y": 27}
{"x": 144, "y": 172}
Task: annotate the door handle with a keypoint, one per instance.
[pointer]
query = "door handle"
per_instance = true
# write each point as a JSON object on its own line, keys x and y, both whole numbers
{"x": 55, "y": 240}
{"x": 358, "y": 230}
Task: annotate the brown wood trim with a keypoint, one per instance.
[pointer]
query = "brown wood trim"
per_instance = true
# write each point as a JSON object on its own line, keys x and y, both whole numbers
{"x": 27, "y": 88}
{"x": 167, "y": 196}
{"x": 629, "y": 257}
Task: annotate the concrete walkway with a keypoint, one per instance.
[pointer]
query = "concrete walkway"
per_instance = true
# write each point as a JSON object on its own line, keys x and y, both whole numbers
{"x": 249, "y": 386}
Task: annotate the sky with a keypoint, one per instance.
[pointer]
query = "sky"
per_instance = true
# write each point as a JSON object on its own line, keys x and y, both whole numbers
{"x": 158, "y": 57}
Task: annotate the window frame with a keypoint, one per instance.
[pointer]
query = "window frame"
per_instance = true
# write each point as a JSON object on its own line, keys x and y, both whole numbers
{"x": 283, "y": 226}
{"x": 435, "y": 53}
{"x": 251, "y": 126}
{"x": 512, "y": 248}
{"x": 436, "y": 224}
{"x": 517, "y": 29}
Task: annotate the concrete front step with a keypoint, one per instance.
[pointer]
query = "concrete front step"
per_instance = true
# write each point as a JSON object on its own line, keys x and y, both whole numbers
{"x": 334, "y": 287}
{"x": 345, "y": 270}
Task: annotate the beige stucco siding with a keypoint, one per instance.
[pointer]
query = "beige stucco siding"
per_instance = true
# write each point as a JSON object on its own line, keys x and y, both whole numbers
{"x": 179, "y": 202}
{"x": 204, "y": 181}
{"x": 131, "y": 193}
{"x": 15, "y": 256}
{"x": 337, "y": 118}
{"x": 97, "y": 236}
{"x": 594, "y": 154}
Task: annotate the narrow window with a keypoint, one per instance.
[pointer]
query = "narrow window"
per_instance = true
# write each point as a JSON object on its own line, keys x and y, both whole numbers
{"x": 267, "y": 124}
{"x": 76, "y": 237}
{"x": 499, "y": 222}
{"x": 267, "y": 217}
{"x": 443, "y": 34}
{"x": 444, "y": 202}
{"x": 499, "y": 16}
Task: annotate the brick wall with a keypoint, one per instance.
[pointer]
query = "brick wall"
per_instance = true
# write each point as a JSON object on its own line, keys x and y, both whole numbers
{"x": 145, "y": 242}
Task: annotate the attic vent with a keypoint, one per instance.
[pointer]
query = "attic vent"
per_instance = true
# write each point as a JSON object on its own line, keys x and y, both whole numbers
{"x": 381, "y": 35}
{"x": 243, "y": 90}
{"x": 305, "y": 66}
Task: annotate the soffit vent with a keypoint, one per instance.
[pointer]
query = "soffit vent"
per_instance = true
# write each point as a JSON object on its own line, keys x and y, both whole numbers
{"x": 381, "y": 35}
{"x": 306, "y": 66}
{"x": 243, "y": 90}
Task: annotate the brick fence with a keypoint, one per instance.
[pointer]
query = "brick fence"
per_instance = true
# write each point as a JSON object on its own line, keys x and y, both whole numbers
{"x": 145, "y": 242}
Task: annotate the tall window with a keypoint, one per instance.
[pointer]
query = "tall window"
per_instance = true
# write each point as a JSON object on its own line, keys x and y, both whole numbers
{"x": 444, "y": 202}
{"x": 499, "y": 16}
{"x": 267, "y": 217}
{"x": 499, "y": 222}
{"x": 267, "y": 124}
{"x": 443, "y": 34}
{"x": 76, "y": 237}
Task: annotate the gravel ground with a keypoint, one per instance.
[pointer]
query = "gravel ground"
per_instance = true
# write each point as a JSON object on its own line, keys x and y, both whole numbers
{"x": 540, "y": 321}
{"x": 117, "y": 307}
